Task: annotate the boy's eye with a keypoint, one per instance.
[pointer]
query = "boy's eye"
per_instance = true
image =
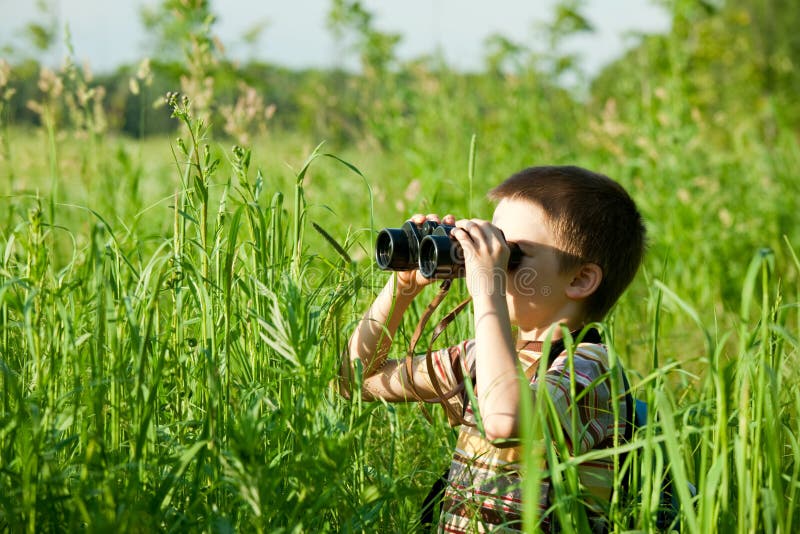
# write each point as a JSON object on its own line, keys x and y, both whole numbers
{"x": 517, "y": 255}
{"x": 525, "y": 251}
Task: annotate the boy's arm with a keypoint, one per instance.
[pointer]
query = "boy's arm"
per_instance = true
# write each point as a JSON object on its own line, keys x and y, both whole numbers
{"x": 370, "y": 343}
{"x": 496, "y": 367}
{"x": 373, "y": 336}
{"x": 486, "y": 254}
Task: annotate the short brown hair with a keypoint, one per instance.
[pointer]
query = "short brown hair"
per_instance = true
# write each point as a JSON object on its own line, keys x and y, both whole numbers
{"x": 592, "y": 218}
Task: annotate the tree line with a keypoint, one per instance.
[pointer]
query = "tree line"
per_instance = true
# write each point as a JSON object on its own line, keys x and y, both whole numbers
{"x": 733, "y": 60}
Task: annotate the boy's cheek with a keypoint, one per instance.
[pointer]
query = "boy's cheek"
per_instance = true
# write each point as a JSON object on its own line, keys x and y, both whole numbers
{"x": 524, "y": 282}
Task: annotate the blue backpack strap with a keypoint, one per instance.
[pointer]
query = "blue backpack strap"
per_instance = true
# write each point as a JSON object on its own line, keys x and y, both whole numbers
{"x": 639, "y": 413}
{"x": 630, "y": 408}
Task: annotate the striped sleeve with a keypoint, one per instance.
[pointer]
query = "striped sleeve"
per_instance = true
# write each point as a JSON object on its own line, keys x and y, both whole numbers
{"x": 450, "y": 366}
{"x": 595, "y": 420}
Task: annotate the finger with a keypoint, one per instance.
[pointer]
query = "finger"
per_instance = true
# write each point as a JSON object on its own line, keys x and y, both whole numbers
{"x": 433, "y": 217}
{"x": 483, "y": 235}
{"x": 475, "y": 227}
{"x": 449, "y": 219}
{"x": 465, "y": 240}
{"x": 417, "y": 218}
{"x": 462, "y": 232}
{"x": 492, "y": 235}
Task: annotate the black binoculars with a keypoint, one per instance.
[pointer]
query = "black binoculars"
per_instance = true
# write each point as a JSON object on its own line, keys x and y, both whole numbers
{"x": 427, "y": 247}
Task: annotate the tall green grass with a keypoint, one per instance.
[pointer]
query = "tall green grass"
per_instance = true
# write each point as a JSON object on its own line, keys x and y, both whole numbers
{"x": 185, "y": 382}
{"x": 187, "y": 387}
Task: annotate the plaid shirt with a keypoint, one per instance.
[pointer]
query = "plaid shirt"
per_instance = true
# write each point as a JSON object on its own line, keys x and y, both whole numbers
{"x": 484, "y": 492}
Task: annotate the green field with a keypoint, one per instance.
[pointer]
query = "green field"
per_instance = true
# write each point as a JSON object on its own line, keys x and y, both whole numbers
{"x": 173, "y": 306}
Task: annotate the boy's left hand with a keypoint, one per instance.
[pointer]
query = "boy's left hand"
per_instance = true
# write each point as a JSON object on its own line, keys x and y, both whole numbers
{"x": 486, "y": 255}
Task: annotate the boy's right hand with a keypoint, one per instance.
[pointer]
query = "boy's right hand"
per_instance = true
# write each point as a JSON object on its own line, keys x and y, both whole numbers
{"x": 409, "y": 283}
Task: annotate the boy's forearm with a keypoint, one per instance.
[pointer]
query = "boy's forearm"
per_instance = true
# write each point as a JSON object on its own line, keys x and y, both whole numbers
{"x": 374, "y": 333}
{"x": 496, "y": 367}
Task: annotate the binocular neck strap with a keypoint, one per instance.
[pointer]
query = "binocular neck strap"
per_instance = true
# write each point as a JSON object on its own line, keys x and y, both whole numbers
{"x": 442, "y": 397}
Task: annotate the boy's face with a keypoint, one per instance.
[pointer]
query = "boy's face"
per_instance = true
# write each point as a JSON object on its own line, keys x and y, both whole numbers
{"x": 536, "y": 289}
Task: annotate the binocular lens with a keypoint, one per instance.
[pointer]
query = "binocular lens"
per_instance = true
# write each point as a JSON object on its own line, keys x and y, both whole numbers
{"x": 428, "y": 258}
{"x": 383, "y": 250}
{"x": 394, "y": 251}
{"x": 441, "y": 257}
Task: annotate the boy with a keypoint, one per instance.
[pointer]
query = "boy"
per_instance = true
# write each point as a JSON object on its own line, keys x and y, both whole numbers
{"x": 582, "y": 241}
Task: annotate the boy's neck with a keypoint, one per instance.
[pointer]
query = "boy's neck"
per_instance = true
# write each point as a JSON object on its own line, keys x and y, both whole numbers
{"x": 537, "y": 345}
{"x": 554, "y": 331}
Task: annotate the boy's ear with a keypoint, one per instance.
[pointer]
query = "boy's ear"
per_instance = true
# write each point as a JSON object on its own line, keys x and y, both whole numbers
{"x": 586, "y": 281}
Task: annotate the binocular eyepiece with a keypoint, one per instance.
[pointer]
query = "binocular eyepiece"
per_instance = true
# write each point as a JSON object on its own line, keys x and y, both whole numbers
{"x": 427, "y": 247}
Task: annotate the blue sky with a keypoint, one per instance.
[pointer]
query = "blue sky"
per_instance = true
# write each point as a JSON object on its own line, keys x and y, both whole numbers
{"x": 106, "y": 33}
